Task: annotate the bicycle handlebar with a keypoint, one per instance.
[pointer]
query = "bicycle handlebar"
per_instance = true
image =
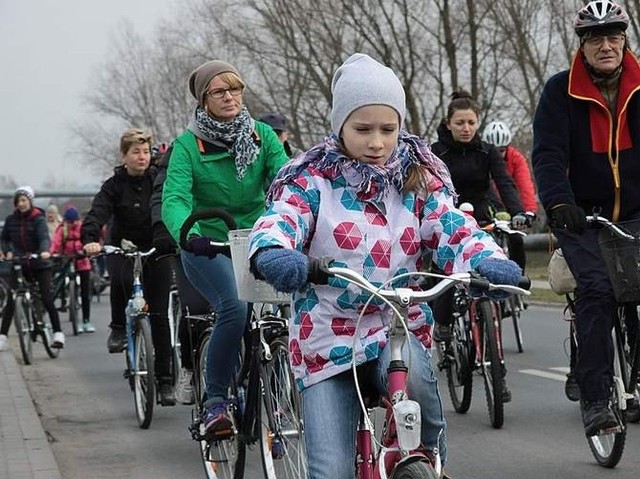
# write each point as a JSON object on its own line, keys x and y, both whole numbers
{"x": 319, "y": 268}
{"x": 110, "y": 249}
{"x": 502, "y": 226}
{"x": 615, "y": 229}
{"x": 210, "y": 213}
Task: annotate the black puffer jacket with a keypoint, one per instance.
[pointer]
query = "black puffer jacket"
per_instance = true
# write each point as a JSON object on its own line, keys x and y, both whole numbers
{"x": 27, "y": 233}
{"x": 125, "y": 199}
{"x": 473, "y": 165}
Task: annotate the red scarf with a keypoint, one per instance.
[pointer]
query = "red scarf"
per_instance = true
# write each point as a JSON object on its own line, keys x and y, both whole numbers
{"x": 581, "y": 86}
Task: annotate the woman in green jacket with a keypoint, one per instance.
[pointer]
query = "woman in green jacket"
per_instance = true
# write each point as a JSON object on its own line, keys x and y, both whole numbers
{"x": 225, "y": 160}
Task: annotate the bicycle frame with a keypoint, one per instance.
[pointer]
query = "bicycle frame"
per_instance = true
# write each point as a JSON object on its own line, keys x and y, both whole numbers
{"x": 401, "y": 438}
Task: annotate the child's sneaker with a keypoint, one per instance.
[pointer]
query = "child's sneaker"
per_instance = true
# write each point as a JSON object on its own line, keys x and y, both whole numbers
{"x": 58, "y": 340}
{"x": 87, "y": 327}
{"x": 217, "y": 420}
{"x": 4, "y": 342}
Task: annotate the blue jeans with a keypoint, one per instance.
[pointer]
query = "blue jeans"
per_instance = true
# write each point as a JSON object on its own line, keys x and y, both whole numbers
{"x": 214, "y": 279}
{"x": 331, "y": 412}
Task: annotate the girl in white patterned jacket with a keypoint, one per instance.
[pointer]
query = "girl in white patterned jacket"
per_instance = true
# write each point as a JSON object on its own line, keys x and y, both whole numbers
{"x": 375, "y": 199}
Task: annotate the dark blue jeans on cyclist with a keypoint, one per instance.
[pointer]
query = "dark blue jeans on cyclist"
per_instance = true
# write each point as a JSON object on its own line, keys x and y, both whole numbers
{"x": 595, "y": 306}
{"x": 214, "y": 279}
{"x": 331, "y": 412}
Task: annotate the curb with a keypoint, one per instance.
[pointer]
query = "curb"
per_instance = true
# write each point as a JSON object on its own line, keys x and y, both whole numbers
{"x": 25, "y": 452}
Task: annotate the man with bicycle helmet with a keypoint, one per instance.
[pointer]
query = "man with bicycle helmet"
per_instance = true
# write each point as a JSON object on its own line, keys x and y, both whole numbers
{"x": 499, "y": 135}
{"x": 585, "y": 149}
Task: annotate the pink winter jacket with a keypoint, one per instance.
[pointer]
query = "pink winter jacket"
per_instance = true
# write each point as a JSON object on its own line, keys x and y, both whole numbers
{"x": 66, "y": 240}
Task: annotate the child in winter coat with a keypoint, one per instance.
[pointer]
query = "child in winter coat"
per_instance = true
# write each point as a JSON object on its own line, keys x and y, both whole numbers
{"x": 374, "y": 198}
{"x": 66, "y": 241}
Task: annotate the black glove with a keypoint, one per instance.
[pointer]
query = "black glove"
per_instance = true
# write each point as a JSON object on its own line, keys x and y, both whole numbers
{"x": 569, "y": 217}
{"x": 201, "y": 246}
{"x": 520, "y": 221}
{"x": 162, "y": 240}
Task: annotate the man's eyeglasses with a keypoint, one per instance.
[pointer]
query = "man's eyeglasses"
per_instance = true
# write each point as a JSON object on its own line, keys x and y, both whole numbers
{"x": 613, "y": 40}
{"x": 220, "y": 93}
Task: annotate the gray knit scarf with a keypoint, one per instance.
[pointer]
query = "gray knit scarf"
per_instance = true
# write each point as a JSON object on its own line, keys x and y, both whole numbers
{"x": 237, "y": 135}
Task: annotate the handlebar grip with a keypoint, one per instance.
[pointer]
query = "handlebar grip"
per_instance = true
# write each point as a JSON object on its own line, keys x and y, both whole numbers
{"x": 524, "y": 283}
{"x": 479, "y": 283}
{"x": 319, "y": 270}
{"x": 201, "y": 215}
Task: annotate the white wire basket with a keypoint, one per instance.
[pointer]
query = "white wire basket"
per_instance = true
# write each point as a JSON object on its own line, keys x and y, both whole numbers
{"x": 249, "y": 288}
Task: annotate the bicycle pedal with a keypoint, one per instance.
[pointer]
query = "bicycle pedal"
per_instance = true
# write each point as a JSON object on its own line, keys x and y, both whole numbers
{"x": 610, "y": 430}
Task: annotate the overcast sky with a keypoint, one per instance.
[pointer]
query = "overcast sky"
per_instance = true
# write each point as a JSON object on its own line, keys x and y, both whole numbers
{"x": 48, "y": 50}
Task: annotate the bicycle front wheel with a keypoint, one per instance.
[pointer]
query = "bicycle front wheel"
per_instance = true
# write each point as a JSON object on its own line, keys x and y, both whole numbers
{"x": 492, "y": 370}
{"x": 144, "y": 379}
{"x": 281, "y": 432}
{"x": 515, "y": 304}
{"x": 415, "y": 470}
{"x": 459, "y": 369}
{"x": 224, "y": 458}
{"x": 24, "y": 326}
{"x": 44, "y": 329}
{"x": 74, "y": 307}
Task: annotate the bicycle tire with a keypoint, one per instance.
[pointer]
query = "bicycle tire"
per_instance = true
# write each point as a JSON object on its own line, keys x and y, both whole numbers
{"x": 42, "y": 326}
{"x": 282, "y": 446}
{"x": 459, "y": 369}
{"x": 490, "y": 362}
{"x": 414, "y": 470}
{"x": 143, "y": 370}
{"x": 23, "y": 322}
{"x": 631, "y": 360}
{"x": 224, "y": 458}
{"x": 607, "y": 449}
{"x": 515, "y": 302}
{"x": 74, "y": 307}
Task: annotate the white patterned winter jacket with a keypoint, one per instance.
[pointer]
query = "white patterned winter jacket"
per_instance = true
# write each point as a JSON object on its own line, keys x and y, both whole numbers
{"x": 324, "y": 217}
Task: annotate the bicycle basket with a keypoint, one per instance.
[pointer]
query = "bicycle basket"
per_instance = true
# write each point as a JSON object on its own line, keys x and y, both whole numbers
{"x": 623, "y": 262}
{"x": 249, "y": 288}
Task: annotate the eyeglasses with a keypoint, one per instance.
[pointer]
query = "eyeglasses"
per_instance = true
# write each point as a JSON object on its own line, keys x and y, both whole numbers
{"x": 220, "y": 93}
{"x": 613, "y": 40}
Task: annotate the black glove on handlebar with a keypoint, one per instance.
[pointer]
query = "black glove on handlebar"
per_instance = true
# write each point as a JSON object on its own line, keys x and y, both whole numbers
{"x": 162, "y": 240}
{"x": 569, "y": 217}
{"x": 201, "y": 246}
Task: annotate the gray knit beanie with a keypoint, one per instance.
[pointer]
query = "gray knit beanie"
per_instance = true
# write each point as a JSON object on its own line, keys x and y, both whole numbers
{"x": 362, "y": 81}
{"x": 201, "y": 76}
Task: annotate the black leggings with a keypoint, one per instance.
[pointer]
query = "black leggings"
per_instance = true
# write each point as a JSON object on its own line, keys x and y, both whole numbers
{"x": 156, "y": 277}
{"x": 43, "y": 277}
{"x": 85, "y": 294}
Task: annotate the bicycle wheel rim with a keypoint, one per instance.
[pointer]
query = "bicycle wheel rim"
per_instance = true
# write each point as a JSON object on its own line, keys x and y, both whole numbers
{"x": 221, "y": 459}
{"x": 73, "y": 307}
{"x": 282, "y": 434}
{"x": 459, "y": 372}
{"x": 22, "y": 319}
{"x": 516, "y": 311}
{"x": 143, "y": 370}
{"x": 491, "y": 366}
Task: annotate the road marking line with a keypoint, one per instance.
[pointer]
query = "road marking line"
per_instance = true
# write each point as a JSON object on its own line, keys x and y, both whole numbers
{"x": 563, "y": 369}
{"x": 544, "y": 374}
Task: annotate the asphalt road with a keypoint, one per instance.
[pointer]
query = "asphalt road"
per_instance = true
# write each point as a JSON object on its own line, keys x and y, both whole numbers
{"x": 87, "y": 409}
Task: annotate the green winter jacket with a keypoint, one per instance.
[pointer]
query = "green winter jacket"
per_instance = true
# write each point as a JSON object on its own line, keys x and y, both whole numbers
{"x": 201, "y": 180}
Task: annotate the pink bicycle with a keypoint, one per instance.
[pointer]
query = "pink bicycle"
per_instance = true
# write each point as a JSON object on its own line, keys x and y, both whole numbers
{"x": 398, "y": 453}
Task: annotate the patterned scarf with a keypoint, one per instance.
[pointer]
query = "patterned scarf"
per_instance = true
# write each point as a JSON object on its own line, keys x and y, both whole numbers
{"x": 237, "y": 133}
{"x": 371, "y": 182}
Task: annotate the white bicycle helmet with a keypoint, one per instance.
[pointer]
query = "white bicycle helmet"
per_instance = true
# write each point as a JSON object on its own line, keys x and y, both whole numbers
{"x": 600, "y": 14}
{"x": 497, "y": 133}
